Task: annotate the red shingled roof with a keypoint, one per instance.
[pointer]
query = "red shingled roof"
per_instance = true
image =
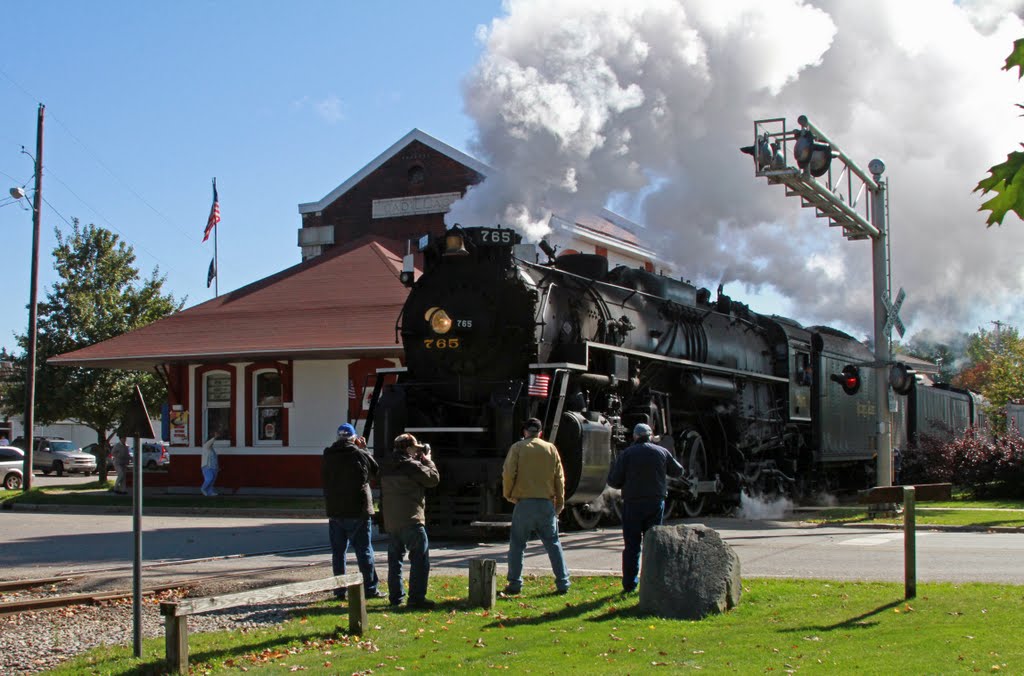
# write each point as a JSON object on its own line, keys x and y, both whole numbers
{"x": 343, "y": 303}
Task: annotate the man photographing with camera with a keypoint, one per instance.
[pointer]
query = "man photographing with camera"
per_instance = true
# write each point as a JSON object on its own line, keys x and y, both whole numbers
{"x": 402, "y": 485}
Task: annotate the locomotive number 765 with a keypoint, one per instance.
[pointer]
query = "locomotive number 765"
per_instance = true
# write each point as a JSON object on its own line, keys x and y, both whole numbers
{"x": 441, "y": 343}
{"x": 496, "y": 236}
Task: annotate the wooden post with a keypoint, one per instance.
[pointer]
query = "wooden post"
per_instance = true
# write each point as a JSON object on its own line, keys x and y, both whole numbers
{"x": 483, "y": 575}
{"x": 909, "y": 546}
{"x": 175, "y": 639}
{"x": 356, "y": 609}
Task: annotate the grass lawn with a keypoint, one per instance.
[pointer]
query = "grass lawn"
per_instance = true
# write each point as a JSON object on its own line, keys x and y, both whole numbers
{"x": 781, "y": 626}
{"x": 956, "y": 512}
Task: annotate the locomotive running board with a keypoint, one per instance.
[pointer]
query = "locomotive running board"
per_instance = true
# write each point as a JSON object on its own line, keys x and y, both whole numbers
{"x": 695, "y": 365}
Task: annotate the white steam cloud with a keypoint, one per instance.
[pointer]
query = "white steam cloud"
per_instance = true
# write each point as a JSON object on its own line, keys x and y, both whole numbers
{"x": 582, "y": 103}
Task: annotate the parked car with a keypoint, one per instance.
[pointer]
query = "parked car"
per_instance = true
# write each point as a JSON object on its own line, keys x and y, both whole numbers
{"x": 56, "y": 454}
{"x": 12, "y": 460}
{"x": 155, "y": 454}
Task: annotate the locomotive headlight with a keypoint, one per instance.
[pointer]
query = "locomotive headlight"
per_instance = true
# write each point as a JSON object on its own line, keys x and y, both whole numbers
{"x": 439, "y": 320}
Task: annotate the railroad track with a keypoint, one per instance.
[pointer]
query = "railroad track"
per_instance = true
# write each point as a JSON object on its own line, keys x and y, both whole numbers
{"x": 106, "y": 596}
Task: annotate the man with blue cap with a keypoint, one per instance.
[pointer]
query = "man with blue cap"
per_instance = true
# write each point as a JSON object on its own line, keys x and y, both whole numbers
{"x": 346, "y": 470}
{"x": 641, "y": 472}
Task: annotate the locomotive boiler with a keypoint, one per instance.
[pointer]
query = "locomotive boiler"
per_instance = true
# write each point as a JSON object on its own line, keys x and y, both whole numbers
{"x": 495, "y": 331}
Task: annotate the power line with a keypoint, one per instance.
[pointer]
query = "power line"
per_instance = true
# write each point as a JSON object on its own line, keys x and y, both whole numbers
{"x": 95, "y": 158}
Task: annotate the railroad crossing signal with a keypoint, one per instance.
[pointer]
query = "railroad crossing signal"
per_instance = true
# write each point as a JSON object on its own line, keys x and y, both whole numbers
{"x": 892, "y": 312}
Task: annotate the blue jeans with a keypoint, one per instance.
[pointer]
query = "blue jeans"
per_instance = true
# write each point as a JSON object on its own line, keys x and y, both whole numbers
{"x": 412, "y": 539}
{"x": 356, "y": 532}
{"x": 209, "y": 476}
{"x": 637, "y": 517}
{"x": 529, "y": 515}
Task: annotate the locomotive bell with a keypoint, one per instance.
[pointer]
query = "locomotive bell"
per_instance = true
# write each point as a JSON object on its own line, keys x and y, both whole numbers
{"x": 454, "y": 245}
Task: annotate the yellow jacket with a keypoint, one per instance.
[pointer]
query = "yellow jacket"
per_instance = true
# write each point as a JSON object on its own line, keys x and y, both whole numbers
{"x": 534, "y": 470}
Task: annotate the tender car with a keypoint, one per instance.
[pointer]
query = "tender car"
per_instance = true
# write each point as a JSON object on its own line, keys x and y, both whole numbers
{"x": 12, "y": 460}
{"x": 56, "y": 454}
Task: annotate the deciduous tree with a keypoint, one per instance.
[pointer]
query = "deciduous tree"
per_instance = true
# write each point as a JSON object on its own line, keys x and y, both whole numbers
{"x": 100, "y": 294}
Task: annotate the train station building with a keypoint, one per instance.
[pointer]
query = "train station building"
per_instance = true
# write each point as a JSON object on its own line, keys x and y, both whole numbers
{"x": 280, "y": 363}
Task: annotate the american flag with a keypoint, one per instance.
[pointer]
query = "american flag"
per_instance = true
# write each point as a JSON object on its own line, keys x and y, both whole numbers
{"x": 538, "y": 386}
{"x": 214, "y": 218}
{"x": 351, "y": 389}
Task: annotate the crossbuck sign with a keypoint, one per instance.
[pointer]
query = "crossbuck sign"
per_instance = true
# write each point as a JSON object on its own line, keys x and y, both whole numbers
{"x": 892, "y": 312}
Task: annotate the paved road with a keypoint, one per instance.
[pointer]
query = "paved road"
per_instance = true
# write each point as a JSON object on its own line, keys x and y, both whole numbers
{"x": 35, "y": 544}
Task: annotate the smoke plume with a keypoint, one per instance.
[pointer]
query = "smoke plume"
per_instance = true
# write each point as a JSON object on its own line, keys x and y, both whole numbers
{"x": 643, "y": 105}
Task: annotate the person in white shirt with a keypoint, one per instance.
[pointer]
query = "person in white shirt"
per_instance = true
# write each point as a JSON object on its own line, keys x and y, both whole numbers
{"x": 210, "y": 465}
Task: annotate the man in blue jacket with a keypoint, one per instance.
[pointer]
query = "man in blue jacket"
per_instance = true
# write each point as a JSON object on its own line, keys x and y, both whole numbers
{"x": 346, "y": 470}
{"x": 641, "y": 472}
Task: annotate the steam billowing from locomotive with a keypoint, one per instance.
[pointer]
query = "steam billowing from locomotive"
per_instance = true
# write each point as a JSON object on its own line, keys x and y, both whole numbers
{"x": 641, "y": 106}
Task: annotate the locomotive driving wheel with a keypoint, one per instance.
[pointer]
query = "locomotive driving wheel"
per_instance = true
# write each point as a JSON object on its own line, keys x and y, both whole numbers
{"x": 695, "y": 469}
{"x": 585, "y": 517}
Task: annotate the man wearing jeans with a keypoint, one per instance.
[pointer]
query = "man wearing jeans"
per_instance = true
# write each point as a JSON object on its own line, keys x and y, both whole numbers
{"x": 402, "y": 486}
{"x": 533, "y": 480}
{"x": 641, "y": 471}
{"x": 346, "y": 469}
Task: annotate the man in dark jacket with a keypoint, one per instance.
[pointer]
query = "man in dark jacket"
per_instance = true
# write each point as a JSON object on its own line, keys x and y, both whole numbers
{"x": 345, "y": 471}
{"x": 641, "y": 471}
{"x": 402, "y": 486}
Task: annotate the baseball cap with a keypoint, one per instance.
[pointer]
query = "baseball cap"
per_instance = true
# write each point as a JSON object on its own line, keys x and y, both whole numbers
{"x": 642, "y": 430}
{"x": 403, "y": 441}
{"x": 533, "y": 424}
{"x": 346, "y": 430}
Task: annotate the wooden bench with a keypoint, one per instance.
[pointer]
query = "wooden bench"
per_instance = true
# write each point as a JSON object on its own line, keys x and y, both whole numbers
{"x": 176, "y": 612}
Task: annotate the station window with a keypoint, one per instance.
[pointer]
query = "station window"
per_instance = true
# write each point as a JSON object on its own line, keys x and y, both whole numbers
{"x": 268, "y": 417}
{"x": 217, "y": 397}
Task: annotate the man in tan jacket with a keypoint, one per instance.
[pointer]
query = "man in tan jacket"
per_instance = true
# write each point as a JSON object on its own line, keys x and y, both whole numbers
{"x": 533, "y": 480}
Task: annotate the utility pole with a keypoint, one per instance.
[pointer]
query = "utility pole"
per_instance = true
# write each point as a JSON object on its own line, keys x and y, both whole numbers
{"x": 30, "y": 366}
{"x": 999, "y": 344}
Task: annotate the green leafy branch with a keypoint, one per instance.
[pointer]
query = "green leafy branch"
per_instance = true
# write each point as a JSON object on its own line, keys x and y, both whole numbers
{"x": 1006, "y": 180}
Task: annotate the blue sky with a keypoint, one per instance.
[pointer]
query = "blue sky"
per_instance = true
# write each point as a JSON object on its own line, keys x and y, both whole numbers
{"x": 146, "y": 102}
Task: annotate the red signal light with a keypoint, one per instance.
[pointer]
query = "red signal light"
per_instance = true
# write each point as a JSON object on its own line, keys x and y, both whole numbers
{"x": 849, "y": 379}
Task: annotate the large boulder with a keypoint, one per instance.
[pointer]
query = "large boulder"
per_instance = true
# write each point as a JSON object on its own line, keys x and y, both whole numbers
{"x": 688, "y": 572}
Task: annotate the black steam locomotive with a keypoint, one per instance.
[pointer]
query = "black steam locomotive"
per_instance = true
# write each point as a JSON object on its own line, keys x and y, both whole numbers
{"x": 493, "y": 335}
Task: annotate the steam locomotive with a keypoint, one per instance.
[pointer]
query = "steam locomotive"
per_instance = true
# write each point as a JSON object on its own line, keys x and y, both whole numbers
{"x": 496, "y": 330}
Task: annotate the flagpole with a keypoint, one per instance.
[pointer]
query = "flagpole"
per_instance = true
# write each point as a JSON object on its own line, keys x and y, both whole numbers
{"x": 216, "y": 263}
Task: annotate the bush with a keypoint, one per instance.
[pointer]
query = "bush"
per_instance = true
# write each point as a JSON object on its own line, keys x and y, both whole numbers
{"x": 974, "y": 461}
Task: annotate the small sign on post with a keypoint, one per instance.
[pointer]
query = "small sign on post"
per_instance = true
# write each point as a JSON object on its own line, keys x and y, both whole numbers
{"x": 135, "y": 422}
{"x": 910, "y": 496}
